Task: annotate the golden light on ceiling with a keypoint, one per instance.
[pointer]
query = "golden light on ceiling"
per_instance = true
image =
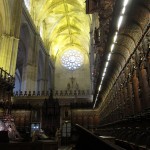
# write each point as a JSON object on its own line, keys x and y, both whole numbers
{"x": 63, "y": 24}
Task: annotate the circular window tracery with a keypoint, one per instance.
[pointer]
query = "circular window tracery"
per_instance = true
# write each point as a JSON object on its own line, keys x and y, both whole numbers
{"x": 72, "y": 59}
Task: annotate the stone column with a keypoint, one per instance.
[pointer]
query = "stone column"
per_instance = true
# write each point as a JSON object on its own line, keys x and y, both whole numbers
{"x": 41, "y": 83}
{"x": 28, "y": 78}
{"x": 8, "y": 53}
{"x": 29, "y": 75}
{"x": 43, "y": 80}
{"x": 35, "y": 61}
{"x": 10, "y": 37}
{"x": 46, "y": 75}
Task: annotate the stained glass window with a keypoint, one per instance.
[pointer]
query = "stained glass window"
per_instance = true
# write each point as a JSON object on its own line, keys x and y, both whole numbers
{"x": 72, "y": 59}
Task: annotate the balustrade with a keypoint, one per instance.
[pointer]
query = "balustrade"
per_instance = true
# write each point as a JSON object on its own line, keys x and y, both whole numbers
{"x": 65, "y": 93}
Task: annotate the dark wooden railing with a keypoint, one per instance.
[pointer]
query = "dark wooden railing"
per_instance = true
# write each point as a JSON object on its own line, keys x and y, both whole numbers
{"x": 86, "y": 140}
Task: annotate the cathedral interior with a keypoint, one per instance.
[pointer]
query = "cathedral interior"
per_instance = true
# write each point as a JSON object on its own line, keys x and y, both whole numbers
{"x": 76, "y": 62}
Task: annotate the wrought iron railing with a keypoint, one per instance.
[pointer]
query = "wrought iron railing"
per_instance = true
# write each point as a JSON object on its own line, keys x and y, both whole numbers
{"x": 6, "y": 78}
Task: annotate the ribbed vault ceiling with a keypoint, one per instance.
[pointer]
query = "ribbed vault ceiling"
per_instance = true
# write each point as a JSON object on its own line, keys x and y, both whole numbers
{"x": 62, "y": 24}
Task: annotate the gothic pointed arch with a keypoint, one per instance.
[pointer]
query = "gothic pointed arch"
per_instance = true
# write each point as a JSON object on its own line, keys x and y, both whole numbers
{"x": 22, "y": 57}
